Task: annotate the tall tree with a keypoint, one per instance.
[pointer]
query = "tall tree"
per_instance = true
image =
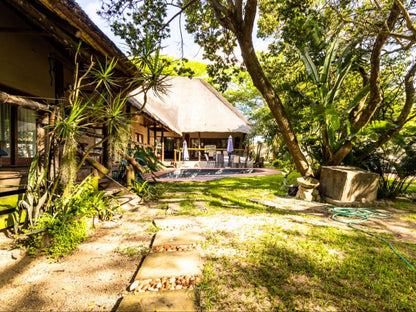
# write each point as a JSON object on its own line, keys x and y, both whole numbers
{"x": 380, "y": 29}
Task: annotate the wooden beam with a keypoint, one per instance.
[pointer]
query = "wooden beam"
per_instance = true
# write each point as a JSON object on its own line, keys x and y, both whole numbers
{"x": 22, "y": 31}
{"x": 46, "y": 23}
{"x": 88, "y": 32}
{"x": 92, "y": 134}
{"x": 22, "y": 102}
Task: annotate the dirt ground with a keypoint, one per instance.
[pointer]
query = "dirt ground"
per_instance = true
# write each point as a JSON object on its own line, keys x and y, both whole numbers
{"x": 94, "y": 278}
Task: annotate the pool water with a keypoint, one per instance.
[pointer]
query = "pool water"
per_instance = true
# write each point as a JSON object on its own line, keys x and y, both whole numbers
{"x": 192, "y": 173}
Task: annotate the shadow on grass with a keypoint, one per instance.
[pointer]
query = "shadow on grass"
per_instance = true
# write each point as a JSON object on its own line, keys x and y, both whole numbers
{"x": 322, "y": 269}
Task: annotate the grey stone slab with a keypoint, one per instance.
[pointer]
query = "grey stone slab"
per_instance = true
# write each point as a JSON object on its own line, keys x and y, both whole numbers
{"x": 169, "y": 264}
{"x": 176, "y": 238}
{"x": 174, "y": 223}
{"x": 348, "y": 184}
{"x": 169, "y": 300}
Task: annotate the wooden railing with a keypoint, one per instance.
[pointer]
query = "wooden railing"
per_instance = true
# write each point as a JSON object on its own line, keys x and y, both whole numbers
{"x": 178, "y": 152}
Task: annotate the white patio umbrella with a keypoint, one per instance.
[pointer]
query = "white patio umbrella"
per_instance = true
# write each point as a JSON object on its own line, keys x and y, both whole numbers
{"x": 230, "y": 145}
{"x": 185, "y": 151}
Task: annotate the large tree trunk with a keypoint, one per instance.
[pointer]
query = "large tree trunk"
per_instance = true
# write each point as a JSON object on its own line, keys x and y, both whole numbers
{"x": 233, "y": 19}
{"x": 273, "y": 101}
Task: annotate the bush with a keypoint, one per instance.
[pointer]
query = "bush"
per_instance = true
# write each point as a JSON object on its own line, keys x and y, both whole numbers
{"x": 147, "y": 191}
{"x": 55, "y": 237}
{"x": 396, "y": 168}
{"x": 283, "y": 164}
{"x": 291, "y": 178}
{"x": 66, "y": 226}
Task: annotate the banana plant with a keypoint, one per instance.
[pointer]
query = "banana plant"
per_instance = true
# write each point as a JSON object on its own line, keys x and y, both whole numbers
{"x": 328, "y": 81}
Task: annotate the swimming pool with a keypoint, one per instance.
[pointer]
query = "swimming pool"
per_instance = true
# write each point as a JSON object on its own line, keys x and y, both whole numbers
{"x": 208, "y": 174}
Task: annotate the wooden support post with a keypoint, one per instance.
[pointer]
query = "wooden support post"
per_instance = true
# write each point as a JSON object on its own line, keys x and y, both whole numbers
{"x": 95, "y": 179}
{"x": 130, "y": 176}
{"x": 199, "y": 146}
{"x": 155, "y": 138}
{"x": 162, "y": 139}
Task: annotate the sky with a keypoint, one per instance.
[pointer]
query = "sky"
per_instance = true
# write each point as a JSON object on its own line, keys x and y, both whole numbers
{"x": 171, "y": 46}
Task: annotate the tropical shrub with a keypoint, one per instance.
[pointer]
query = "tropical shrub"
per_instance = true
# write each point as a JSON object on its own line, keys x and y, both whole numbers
{"x": 61, "y": 229}
{"x": 395, "y": 163}
{"x": 145, "y": 162}
{"x": 147, "y": 191}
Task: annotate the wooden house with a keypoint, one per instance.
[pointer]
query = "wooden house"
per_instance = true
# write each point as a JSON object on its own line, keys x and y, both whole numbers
{"x": 192, "y": 110}
{"x": 39, "y": 40}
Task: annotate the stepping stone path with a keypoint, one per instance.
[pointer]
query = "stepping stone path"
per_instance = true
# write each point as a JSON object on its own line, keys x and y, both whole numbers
{"x": 173, "y": 224}
{"x": 172, "y": 200}
{"x": 182, "y": 193}
{"x": 167, "y": 277}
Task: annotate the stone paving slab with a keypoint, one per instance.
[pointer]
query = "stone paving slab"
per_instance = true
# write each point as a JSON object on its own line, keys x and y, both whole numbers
{"x": 168, "y": 264}
{"x": 172, "y": 200}
{"x": 201, "y": 205}
{"x": 175, "y": 238}
{"x": 182, "y": 193}
{"x": 173, "y": 223}
{"x": 174, "y": 207}
{"x": 168, "y": 300}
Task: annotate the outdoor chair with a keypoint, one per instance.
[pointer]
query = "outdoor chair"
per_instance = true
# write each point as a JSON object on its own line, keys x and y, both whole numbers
{"x": 243, "y": 162}
{"x": 209, "y": 162}
{"x": 226, "y": 161}
{"x": 236, "y": 161}
{"x": 219, "y": 161}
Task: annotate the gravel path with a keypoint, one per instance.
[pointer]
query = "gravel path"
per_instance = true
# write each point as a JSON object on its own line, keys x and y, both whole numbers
{"x": 94, "y": 278}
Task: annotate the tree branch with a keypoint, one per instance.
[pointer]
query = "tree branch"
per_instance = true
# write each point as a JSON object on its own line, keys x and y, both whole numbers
{"x": 250, "y": 16}
{"x": 376, "y": 97}
{"x": 401, "y": 36}
{"x": 403, "y": 117}
{"x": 182, "y": 9}
{"x": 406, "y": 16}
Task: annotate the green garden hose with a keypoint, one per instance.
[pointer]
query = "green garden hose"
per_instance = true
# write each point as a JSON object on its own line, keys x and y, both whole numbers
{"x": 359, "y": 215}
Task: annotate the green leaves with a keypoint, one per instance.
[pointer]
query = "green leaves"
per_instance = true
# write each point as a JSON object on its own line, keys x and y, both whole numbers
{"x": 310, "y": 67}
{"x": 328, "y": 82}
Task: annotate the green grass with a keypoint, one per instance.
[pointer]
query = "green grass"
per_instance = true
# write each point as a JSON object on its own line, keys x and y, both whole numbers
{"x": 131, "y": 251}
{"x": 9, "y": 202}
{"x": 412, "y": 188}
{"x": 288, "y": 260}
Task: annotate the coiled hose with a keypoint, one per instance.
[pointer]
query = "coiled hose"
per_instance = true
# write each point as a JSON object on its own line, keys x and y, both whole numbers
{"x": 359, "y": 215}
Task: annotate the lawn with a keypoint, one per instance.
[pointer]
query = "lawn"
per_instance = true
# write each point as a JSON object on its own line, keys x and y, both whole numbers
{"x": 293, "y": 256}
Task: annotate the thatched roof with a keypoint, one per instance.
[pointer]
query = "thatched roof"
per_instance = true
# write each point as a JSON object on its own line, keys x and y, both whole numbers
{"x": 192, "y": 105}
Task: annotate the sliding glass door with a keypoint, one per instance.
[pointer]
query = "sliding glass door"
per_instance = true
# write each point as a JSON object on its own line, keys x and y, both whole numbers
{"x": 17, "y": 134}
{"x": 5, "y": 127}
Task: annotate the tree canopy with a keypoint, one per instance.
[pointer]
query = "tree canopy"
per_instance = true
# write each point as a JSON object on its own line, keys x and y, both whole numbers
{"x": 342, "y": 68}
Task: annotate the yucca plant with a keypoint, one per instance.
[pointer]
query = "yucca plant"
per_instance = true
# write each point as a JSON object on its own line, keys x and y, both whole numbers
{"x": 98, "y": 99}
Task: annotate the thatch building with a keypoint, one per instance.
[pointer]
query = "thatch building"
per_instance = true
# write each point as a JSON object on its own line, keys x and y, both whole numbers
{"x": 194, "y": 111}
